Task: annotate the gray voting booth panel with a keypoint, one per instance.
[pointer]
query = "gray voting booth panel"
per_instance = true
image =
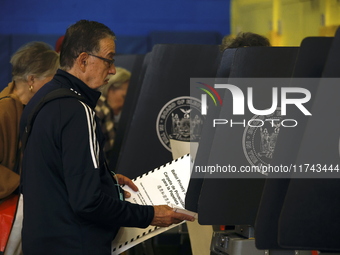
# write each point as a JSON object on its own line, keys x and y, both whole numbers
{"x": 235, "y": 201}
{"x": 310, "y": 63}
{"x": 245, "y": 68}
{"x": 167, "y": 78}
{"x": 310, "y": 214}
{"x": 194, "y": 188}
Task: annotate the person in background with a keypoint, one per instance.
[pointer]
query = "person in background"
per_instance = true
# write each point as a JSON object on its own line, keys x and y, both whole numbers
{"x": 73, "y": 203}
{"x": 58, "y": 43}
{"x": 110, "y": 104}
{"x": 246, "y": 39}
{"x": 33, "y": 65}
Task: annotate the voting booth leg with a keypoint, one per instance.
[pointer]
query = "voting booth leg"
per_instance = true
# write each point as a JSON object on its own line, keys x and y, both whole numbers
{"x": 241, "y": 241}
{"x": 284, "y": 252}
{"x": 230, "y": 243}
{"x": 327, "y": 253}
{"x": 237, "y": 240}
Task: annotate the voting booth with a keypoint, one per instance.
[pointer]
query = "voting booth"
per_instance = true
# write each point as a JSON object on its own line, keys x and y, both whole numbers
{"x": 309, "y": 215}
{"x": 234, "y": 201}
{"x": 194, "y": 188}
{"x": 248, "y": 62}
{"x": 163, "y": 108}
{"x": 260, "y": 213}
{"x": 310, "y": 63}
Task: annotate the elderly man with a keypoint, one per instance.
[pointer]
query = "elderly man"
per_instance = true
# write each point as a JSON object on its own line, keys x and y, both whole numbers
{"x": 72, "y": 202}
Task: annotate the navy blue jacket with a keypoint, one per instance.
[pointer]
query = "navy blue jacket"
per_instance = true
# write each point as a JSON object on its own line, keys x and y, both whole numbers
{"x": 71, "y": 200}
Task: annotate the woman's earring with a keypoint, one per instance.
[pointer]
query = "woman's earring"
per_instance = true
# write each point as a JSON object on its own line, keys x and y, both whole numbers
{"x": 30, "y": 88}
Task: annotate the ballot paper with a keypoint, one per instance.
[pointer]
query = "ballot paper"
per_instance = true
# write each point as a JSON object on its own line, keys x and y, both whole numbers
{"x": 164, "y": 185}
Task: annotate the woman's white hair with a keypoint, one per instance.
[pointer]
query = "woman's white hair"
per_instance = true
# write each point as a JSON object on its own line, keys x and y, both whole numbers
{"x": 34, "y": 58}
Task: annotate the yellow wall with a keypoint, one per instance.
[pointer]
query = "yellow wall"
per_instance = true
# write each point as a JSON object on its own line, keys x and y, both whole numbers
{"x": 285, "y": 22}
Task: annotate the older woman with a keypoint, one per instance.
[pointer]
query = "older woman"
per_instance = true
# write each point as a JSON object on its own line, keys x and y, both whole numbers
{"x": 33, "y": 65}
{"x": 110, "y": 104}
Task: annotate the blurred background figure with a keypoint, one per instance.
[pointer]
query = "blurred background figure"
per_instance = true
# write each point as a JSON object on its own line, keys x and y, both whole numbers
{"x": 59, "y": 43}
{"x": 33, "y": 65}
{"x": 246, "y": 39}
{"x": 110, "y": 104}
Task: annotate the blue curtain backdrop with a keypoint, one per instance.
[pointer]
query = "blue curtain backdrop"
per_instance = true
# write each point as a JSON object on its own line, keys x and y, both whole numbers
{"x": 133, "y": 21}
{"x": 127, "y": 17}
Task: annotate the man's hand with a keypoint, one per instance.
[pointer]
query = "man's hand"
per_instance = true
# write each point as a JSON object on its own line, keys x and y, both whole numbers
{"x": 123, "y": 180}
{"x": 165, "y": 216}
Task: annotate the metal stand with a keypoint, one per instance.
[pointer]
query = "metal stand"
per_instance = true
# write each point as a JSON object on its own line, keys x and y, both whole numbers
{"x": 328, "y": 253}
{"x": 231, "y": 242}
{"x": 241, "y": 241}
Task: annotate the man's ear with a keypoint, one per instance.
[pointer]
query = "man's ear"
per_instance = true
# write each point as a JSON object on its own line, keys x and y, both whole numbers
{"x": 82, "y": 61}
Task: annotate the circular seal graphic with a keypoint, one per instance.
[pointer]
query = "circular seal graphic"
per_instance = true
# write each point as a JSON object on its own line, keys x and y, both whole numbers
{"x": 259, "y": 138}
{"x": 180, "y": 119}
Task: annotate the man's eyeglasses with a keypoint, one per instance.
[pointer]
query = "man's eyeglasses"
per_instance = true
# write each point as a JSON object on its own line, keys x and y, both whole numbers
{"x": 110, "y": 61}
